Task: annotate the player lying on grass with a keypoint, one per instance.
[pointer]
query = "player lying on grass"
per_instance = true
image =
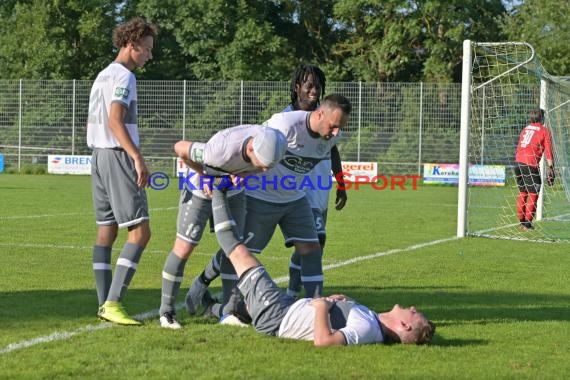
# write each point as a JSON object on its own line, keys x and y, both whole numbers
{"x": 327, "y": 321}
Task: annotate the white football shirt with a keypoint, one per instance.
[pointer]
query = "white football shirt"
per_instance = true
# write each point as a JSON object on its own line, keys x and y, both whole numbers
{"x": 362, "y": 324}
{"x": 225, "y": 151}
{"x": 287, "y": 181}
{"x": 115, "y": 83}
{"x": 318, "y": 194}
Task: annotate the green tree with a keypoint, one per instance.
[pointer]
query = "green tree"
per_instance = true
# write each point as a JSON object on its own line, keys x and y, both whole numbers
{"x": 403, "y": 40}
{"x": 312, "y": 29}
{"x": 168, "y": 62}
{"x": 224, "y": 40}
{"x": 26, "y": 46}
{"x": 55, "y": 39}
{"x": 543, "y": 24}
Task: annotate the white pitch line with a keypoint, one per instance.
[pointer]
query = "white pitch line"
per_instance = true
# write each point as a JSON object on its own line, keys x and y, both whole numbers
{"x": 58, "y": 335}
{"x": 78, "y": 247}
{"x": 61, "y": 246}
{"x": 36, "y": 245}
{"x": 61, "y": 335}
{"x": 88, "y": 248}
{"x": 14, "y": 217}
{"x": 376, "y": 255}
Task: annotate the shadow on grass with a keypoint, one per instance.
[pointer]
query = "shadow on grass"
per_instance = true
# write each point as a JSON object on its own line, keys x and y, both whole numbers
{"x": 451, "y": 305}
{"x": 16, "y": 188}
{"x": 454, "y": 305}
{"x": 67, "y": 304}
{"x": 439, "y": 341}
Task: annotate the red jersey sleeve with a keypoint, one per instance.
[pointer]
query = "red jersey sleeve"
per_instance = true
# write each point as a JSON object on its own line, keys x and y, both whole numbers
{"x": 548, "y": 144}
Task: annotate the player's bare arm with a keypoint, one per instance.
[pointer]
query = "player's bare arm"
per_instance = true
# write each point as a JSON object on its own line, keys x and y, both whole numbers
{"x": 323, "y": 334}
{"x": 182, "y": 149}
{"x": 119, "y": 129}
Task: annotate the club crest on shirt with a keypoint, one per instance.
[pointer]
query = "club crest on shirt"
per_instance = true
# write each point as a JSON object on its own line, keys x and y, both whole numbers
{"x": 121, "y": 92}
{"x": 299, "y": 165}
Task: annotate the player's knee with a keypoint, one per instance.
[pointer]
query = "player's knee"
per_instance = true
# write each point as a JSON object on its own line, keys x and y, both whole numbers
{"x": 140, "y": 234}
{"x": 307, "y": 248}
{"x": 106, "y": 235}
{"x": 182, "y": 249}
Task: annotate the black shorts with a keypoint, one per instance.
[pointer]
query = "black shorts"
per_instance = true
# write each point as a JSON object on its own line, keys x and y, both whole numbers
{"x": 528, "y": 178}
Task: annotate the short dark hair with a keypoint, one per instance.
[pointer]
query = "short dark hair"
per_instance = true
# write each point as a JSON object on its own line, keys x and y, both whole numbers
{"x": 338, "y": 101}
{"x": 132, "y": 31}
{"x": 536, "y": 115}
{"x": 300, "y": 76}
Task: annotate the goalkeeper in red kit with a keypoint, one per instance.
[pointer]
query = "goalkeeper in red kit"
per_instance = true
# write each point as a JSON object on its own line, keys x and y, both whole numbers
{"x": 534, "y": 142}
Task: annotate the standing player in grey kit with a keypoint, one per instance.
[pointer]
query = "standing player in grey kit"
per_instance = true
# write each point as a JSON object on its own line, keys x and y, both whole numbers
{"x": 119, "y": 172}
{"x": 310, "y": 136}
{"x": 241, "y": 150}
{"x": 307, "y": 88}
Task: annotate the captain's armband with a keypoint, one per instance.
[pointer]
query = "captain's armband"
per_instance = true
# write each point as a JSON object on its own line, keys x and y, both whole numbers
{"x": 196, "y": 152}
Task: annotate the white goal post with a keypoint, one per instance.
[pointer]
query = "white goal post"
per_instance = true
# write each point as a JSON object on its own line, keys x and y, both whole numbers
{"x": 501, "y": 83}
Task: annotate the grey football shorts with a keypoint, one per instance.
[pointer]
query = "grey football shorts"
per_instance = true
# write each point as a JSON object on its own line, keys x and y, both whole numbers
{"x": 194, "y": 212}
{"x": 116, "y": 197}
{"x": 295, "y": 219}
{"x": 320, "y": 218}
{"x": 528, "y": 178}
{"x": 266, "y": 303}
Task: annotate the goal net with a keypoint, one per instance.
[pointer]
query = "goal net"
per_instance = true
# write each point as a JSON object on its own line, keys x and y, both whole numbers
{"x": 502, "y": 82}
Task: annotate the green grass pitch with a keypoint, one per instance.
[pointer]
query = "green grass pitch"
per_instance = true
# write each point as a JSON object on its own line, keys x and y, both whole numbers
{"x": 502, "y": 308}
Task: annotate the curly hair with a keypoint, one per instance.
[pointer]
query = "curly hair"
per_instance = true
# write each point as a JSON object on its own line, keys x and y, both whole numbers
{"x": 132, "y": 31}
{"x": 300, "y": 76}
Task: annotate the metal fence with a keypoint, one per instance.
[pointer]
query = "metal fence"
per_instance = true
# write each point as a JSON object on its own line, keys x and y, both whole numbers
{"x": 398, "y": 125}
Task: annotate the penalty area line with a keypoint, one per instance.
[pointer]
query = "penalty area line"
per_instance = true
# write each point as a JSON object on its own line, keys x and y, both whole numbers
{"x": 58, "y": 335}
{"x": 376, "y": 255}
{"x": 62, "y": 335}
{"x": 59, "y": 215}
